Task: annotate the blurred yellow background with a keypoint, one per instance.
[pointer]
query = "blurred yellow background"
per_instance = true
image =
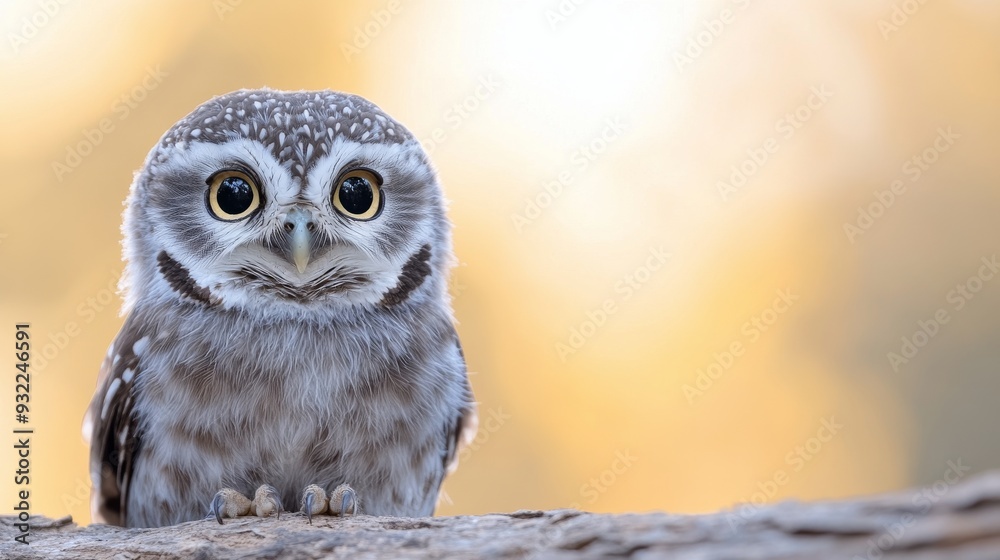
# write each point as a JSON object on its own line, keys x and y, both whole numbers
{"x": 691, "y": 236}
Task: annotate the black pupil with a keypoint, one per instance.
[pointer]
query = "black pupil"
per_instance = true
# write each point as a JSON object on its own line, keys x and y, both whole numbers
{"x": 356, "y": 195}
{"x": 235, "y": 195}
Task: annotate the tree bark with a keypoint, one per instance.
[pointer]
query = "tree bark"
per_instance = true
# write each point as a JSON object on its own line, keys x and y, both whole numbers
{"x": 944, "y": 520}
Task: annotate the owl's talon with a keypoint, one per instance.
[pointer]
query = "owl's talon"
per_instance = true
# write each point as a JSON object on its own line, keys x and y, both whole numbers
{"x": 346, "y": 501}
{"x": 266, "y": 501}
{"x": 314, "y": 501}
{"x": 216, "y": 506}
{"x": 229, "y": 503}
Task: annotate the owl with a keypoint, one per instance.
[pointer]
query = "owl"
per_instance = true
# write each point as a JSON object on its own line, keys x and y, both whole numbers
{"x": 289, "y": 340}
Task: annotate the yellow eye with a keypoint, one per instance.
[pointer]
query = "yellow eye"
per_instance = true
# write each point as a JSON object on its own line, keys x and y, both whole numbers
{"x": 358, "y": 194}
{"x": 232, "y": 195}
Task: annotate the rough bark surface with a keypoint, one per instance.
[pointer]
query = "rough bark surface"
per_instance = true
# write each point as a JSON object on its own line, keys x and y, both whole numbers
{"x": 960, "y": 521}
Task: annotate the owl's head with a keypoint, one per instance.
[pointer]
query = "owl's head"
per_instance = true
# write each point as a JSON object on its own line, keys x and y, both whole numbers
{"x": 286, "y": 203}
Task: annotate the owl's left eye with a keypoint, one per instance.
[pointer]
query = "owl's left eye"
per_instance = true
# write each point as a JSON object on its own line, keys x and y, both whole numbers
{"x": 232, "y": 195}
{"x": 358, "y": 194}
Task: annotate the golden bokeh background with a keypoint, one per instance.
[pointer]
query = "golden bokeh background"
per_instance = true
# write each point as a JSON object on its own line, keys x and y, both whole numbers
{"x": 659, "y": 299}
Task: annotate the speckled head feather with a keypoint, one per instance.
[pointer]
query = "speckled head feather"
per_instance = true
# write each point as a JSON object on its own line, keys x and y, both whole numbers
{"x": 294, "y": 126}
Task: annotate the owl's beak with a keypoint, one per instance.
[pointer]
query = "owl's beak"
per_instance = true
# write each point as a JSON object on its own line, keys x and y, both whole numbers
{"x": 300, "y": 252}
{"x": 299, "y": 225}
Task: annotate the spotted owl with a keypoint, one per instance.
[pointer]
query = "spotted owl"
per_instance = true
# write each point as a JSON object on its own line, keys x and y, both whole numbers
{"x": 288, "y": 342}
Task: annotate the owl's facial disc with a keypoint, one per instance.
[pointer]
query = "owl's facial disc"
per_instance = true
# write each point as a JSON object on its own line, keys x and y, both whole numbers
{"x": 293, "y": 206}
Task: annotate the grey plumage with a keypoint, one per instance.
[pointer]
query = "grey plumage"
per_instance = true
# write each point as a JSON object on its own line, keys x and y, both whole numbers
{"x": 298, "y": 344}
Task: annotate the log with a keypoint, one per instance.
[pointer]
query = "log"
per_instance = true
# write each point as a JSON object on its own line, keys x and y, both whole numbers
{"x": 955, "y": 521}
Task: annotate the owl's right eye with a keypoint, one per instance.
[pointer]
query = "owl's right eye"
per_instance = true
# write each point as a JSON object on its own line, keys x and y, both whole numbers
{"x": 232, "y": 195}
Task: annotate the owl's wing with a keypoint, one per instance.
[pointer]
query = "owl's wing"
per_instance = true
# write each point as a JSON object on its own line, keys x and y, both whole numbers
{"x": 112, "y": 429}
{"x": 463, "y": 429}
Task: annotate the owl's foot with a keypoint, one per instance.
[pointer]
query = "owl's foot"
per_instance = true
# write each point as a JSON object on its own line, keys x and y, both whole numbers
{"x": 266, "y": 502}
{"x": 314, "y": 501}
{"x": 230, "y": 503}
{"x": 343, "y": 501}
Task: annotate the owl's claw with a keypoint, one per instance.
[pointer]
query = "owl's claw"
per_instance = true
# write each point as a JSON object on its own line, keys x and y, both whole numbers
{"x": 229, "y": 503}
{"x": 216, "y": 506}
{"x": 348, "y": 504}
{"x": 314, "y": 501}
{"x": 308, "y": 508}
